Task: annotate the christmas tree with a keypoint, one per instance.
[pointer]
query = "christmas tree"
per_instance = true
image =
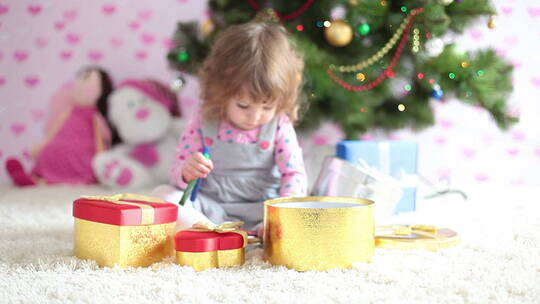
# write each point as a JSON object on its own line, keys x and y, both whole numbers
{"x": 371, "y": 63}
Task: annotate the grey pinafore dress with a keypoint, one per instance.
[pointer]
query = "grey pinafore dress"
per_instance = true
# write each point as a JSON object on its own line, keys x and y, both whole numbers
{"x": 244, "y": 176}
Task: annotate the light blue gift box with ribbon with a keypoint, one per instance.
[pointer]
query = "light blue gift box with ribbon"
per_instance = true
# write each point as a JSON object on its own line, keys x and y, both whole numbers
{"x": 396, "y": 158}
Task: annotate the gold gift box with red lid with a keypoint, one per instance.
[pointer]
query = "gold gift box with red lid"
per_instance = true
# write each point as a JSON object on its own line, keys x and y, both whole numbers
{"x": 207, "y": 246}
{"x": 124, "y": 229}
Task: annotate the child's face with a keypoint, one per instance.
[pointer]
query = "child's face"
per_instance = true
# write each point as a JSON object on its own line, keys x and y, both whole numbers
{"x": 246, "y": 114}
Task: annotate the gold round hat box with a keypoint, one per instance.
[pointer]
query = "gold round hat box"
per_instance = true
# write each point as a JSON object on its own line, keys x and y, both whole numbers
{"x": 318, "y": 232}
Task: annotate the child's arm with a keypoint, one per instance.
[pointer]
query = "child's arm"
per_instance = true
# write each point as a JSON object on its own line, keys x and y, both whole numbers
{"x": 190, "y": 142}
{"x": 288, "y": 156}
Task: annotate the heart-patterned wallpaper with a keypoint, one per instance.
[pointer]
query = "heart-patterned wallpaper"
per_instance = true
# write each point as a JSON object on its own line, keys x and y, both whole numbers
{"x": 44, "y": 43}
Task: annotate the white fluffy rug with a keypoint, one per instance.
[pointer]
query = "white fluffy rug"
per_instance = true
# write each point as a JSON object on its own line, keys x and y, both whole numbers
{"x": 497, "y": 262}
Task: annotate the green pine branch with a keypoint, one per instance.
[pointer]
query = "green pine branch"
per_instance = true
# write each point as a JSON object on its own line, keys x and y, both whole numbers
{"x": 482, "y": 78}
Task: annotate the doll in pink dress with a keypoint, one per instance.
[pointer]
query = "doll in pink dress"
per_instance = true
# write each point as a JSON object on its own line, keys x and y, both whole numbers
{"x": 75, "y": 132}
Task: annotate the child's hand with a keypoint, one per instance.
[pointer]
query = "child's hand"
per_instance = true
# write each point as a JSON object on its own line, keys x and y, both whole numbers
{"x": 196, "y": 166}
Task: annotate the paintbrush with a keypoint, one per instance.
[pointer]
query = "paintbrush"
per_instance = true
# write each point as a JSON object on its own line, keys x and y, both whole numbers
{"x": 193, "y": 186}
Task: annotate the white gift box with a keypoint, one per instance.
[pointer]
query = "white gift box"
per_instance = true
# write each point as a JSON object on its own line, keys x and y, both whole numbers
{"x": 338, "y": 177}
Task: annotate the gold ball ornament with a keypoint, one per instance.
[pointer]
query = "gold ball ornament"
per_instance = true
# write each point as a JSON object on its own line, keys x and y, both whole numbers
{"x": 339, "y": 33}
{"x": 207, "y": 27}
{"x": 492, "y": 22}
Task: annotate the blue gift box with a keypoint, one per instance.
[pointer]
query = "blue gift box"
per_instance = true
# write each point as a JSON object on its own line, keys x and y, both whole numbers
{"x": 392, "y": 157}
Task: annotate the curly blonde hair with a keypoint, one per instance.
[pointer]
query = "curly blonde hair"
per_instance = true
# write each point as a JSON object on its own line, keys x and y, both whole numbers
{"x": 255, "y": 58}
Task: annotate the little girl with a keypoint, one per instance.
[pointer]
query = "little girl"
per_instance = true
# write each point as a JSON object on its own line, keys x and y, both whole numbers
{"x": 250, "y": 85}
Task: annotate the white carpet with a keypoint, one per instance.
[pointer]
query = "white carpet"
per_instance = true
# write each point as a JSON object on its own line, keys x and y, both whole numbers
{"x": 497, "y": 262}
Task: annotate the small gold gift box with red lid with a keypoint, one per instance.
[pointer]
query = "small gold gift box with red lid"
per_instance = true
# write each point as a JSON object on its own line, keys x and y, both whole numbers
{"x": 124, "y": 229}
{"x": 207, "y": 246}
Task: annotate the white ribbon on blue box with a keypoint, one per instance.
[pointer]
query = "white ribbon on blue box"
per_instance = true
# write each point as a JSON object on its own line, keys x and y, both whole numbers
{"x": 393, "y": 157}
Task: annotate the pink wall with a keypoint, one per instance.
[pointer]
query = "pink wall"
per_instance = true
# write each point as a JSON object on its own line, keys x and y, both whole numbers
{"x": 43, "y": 43}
